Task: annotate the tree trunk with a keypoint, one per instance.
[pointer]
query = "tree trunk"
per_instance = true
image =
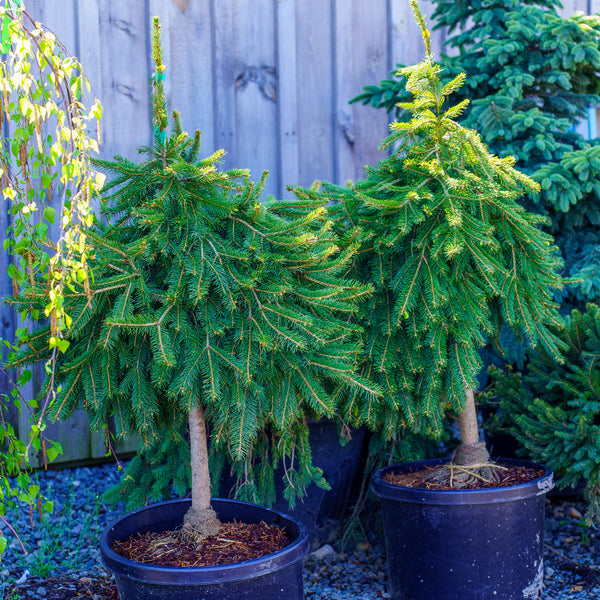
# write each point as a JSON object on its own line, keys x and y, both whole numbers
{"x": 200, "y": 521}
{"x": 471, "y": 461}
{"x": 467, "y": 421}
{"x": 471, "y": 451}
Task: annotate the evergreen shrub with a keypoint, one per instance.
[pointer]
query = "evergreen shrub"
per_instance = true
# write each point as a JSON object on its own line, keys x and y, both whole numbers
{"x": 452, "y": 257}
{"x": 204, "y": 300}
{"x": 533, "y": 76}
{"x": 553, "y": 409}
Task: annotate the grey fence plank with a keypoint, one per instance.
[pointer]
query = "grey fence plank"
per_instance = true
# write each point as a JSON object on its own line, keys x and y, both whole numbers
{"x": 346, "y": 40}
{"x": 287, "y": 66}
{"x": 88, "y": 50}
{"x": 315, "y": 91}
{"x": 255, "y": 80}
{"x": 223, "y": 63}
{"x": 8, "y": 318}
{"x": 573, "y": 6}
{"x": 361, "y": 58}
{"x": 187, "y": 43}
{"x": 406, "y": 45}
{"x": 124, "y": 48}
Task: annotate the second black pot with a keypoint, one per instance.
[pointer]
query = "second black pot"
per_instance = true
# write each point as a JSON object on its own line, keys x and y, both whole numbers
{"x": 276, "y": 576}
{"x": 464, "y": 544}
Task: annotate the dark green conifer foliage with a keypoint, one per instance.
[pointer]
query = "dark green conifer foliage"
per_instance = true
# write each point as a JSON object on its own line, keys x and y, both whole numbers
{"x": 536, "y": 75}
{"x": 554, "y": 410}
{"x": 532, "y": 75}
{"x": 203, "y": 295}
{"x": 451, "y": 254}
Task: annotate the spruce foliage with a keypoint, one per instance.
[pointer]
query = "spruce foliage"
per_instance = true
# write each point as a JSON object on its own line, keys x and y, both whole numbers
{"x": 532, "y": 75}
{"x": 451, "y": 254}
{"x": 204, "y": 293}
{"x": 554, "y": 410}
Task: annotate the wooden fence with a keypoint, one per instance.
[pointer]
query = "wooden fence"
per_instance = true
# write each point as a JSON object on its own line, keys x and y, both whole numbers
{"x": 267, "y": 80}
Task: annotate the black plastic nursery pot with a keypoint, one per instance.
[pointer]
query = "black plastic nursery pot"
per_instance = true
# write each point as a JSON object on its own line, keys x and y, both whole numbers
{"x": 464, "y": 544}
{"x": 276, "y": 576}
{"x": 320, "y": 510}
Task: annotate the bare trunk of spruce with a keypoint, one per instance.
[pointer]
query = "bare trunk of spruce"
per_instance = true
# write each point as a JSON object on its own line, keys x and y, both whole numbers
{"x": 200, "y": 521}
{"x": 471, "y": 461}
{"x": 467, "y": 421}
{"x": 471, "y": 451}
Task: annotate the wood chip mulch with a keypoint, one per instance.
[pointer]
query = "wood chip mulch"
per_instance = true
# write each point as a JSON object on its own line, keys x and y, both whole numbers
{"x": 512, "y": 475}
{"x": 235, "y": 542}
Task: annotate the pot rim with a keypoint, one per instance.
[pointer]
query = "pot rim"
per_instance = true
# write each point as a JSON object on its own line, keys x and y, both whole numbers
{"x": 247, "y": 569}
{"x": 521, "y": 491}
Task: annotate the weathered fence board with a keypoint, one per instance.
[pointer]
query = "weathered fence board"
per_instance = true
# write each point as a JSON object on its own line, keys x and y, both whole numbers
{"x": 406, "y": 46}
{"x": 187, "y": 42}
{"x": 358, "y": 129}
{"x": 255, "y": 89}
{"x": 125, "y": 65}
{"x": 287, "y": 42}
{"x": 267, "y": 80}
{"x": 572, "y": 6}
{"x": 315, "y": 90}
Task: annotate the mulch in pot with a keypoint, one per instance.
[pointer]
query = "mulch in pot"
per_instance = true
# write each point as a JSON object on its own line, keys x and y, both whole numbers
{"x": 508, "y": 475}
{"x": 235, "y": 542}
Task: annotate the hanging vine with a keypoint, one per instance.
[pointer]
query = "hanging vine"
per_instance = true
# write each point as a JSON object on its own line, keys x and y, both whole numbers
{"x": 47, "y": 181}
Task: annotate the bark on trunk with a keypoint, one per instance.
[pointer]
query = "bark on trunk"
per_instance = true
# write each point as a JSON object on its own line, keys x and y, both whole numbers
{"x": 467, "y": 421}
{"x": 200, "y": 521}
{"x": 199, "y": 459}
{"x": 471, "y": 451}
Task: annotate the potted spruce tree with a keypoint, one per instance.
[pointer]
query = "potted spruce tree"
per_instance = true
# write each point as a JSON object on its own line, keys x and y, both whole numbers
{"x": 453, "y": 257}
{"x": 206, "y": 305}
{"x": 533, "y": 79}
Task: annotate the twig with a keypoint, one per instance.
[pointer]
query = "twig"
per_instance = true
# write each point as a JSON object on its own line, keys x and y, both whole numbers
{"x": 110, "y": 446}
{"x": 569, "y": 560}
{"x": 14, "y": 533}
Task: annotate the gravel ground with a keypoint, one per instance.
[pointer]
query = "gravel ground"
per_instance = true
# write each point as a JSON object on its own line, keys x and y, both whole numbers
{"x": 64, "y": 560}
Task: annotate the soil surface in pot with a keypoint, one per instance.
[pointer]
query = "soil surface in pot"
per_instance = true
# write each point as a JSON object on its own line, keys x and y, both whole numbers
{"x": 234, "y": 543}
{"x": 508, "y": 475}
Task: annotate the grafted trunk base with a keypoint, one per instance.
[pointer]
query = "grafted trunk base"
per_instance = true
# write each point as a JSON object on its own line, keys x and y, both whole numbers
{"x": 198, "y": 524}
{"x": 470, "y": 464}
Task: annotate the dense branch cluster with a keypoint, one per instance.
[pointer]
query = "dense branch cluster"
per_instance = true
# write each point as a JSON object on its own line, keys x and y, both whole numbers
{"x": 201, "y": 293}
{"x": 451, "y": 255}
